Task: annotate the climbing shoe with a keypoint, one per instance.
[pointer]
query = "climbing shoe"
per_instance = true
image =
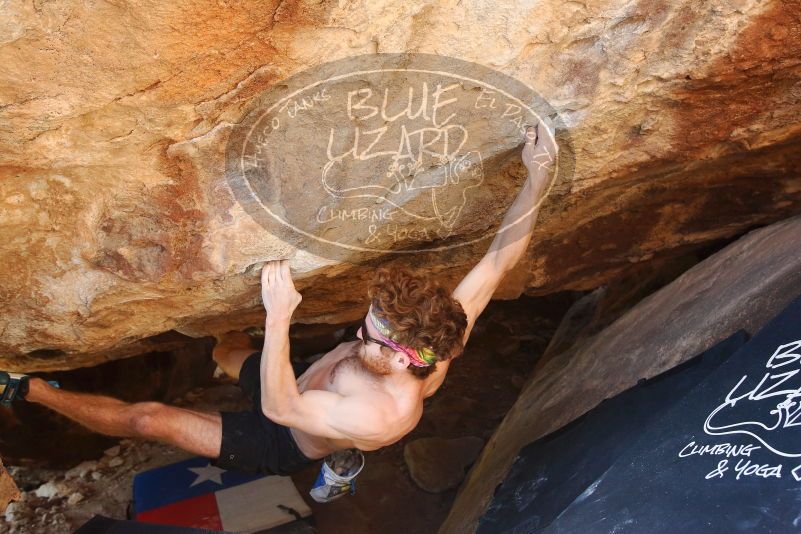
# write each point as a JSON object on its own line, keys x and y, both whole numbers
{"x": 12, "y": 386}
{"x": 15, "y": 386}
{"x": 337, "y": 475}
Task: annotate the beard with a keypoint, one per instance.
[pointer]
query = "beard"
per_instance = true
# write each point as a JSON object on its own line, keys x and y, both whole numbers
{"x": 376, "y": 366}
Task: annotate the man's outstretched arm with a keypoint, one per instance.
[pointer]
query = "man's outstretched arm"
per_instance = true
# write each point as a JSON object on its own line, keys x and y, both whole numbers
{"x": 279, "y": 389}
{"x": 514, "y": 233}
{"x": 320, "y": 413}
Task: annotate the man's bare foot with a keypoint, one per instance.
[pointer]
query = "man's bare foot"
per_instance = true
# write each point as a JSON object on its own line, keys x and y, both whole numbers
{"x": 235, "y": 340}
{"x": 230, "y": 351}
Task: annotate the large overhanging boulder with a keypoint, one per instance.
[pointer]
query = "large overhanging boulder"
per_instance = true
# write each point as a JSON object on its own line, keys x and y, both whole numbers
{"x": 121, "y": 232}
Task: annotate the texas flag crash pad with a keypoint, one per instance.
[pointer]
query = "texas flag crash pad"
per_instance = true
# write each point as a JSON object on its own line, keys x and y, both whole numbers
{"x": 194, "y": 493}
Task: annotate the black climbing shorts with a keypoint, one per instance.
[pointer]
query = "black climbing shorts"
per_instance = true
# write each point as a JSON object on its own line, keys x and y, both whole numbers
{"x": 250, "y": 441}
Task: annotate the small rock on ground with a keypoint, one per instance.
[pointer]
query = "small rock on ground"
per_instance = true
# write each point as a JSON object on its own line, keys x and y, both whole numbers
{"x": 438, "y": 464}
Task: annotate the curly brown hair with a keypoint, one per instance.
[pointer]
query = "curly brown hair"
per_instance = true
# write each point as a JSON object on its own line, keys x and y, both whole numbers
{"x": 421, "y": 313}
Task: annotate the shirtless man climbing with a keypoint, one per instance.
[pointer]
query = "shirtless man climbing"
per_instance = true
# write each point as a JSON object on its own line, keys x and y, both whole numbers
{"x": 363, "y": 394}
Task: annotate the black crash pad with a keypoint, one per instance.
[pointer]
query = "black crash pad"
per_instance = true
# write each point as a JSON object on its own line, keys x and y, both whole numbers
{"x": 723, "y": 457}
{"x": 550, "y": 473}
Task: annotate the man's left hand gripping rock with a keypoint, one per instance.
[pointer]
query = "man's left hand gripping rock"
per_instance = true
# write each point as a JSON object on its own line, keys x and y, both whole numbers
{"x": 278, "y": 291}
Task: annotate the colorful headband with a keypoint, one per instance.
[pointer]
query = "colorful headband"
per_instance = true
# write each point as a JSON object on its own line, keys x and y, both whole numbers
{"x": 418, "y": 357}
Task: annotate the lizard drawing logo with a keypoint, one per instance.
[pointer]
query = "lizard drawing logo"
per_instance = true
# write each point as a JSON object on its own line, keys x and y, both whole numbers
{"x": 765, "y": 406}
{"x": 386, "y": 154}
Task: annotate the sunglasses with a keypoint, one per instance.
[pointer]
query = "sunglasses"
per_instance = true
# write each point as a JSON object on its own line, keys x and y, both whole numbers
{"x": 367, "y": 337}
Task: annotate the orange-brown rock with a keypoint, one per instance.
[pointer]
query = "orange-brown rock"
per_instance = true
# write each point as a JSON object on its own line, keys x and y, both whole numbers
{"x": 118, "y": 223}
{"x": 8, "y": 489}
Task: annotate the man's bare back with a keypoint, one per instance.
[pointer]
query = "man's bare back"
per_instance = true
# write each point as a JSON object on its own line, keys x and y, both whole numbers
{"x": 340, "y": 371}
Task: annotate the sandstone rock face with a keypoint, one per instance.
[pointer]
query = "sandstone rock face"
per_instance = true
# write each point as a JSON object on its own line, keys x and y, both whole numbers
{"x": 8, "y": 490}
{"x": 119, "y": 225}
{"x": 740, "y": 287}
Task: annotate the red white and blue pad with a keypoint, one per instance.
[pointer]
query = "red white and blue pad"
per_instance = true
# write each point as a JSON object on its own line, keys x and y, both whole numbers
{"x": 194, "y": 493}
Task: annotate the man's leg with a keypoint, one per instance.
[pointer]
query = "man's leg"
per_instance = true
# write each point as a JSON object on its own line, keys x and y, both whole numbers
{"x": 230, "y": 352}
{"x": 191, "y": 430}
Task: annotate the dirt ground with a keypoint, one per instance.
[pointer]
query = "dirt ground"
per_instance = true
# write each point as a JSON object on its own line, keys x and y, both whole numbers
{"x": 480, "y": 388}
